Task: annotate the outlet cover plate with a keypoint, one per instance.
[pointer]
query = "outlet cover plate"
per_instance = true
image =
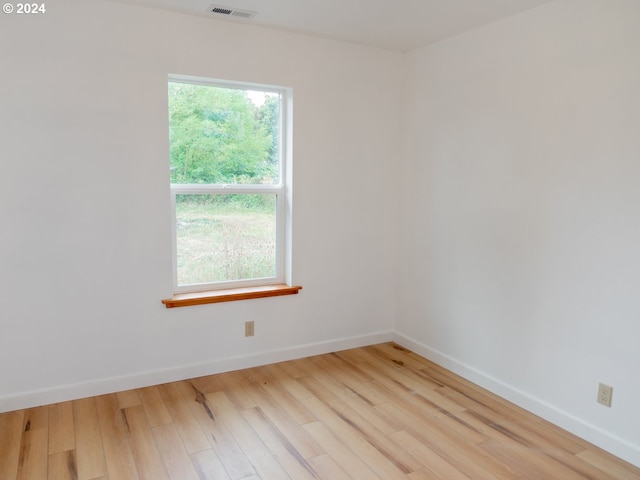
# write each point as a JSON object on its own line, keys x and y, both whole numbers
{"x": 605, "y": 392}
{"x": 249, "y": 329}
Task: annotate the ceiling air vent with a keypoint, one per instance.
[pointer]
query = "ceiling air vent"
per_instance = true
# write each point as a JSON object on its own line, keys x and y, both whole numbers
{"x": 231, "y": 12}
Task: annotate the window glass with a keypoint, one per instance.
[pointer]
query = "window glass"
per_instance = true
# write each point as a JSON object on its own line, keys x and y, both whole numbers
{"x": 225, "y": 237}
{"x": 223, "y": 135}
{"x": 226, "y": 172}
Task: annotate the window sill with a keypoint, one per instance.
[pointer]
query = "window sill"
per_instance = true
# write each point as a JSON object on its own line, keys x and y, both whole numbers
{"x": 230, "y": 295}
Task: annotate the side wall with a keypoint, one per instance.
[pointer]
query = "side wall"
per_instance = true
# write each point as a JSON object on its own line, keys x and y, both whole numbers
{"x": 520, "y": 250}
{"x": 84, "y": 199}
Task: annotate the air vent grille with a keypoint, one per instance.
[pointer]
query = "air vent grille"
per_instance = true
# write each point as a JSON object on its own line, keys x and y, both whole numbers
{"x": 221, "y": 11}
{"x": 243, "y": 14}
{"x": 231, "y": 12}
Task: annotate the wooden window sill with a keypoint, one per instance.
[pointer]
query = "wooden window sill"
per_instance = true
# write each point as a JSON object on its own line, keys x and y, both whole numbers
{"x": 230, "y": 295}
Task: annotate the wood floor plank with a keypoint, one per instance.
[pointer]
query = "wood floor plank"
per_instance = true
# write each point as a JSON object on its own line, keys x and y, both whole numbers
{"x": 614, "y": 467}
{"x": 391, "y": 362}
{"x": 327, "y": 469}
{"x": 89, "y": 447}
{"x": 154, "y": 406}
{"x": 384, "y": 464}
{"x": 209, "y": 383}
{"x": 344, "y": 371}
{"x": 295, "y": 368}
{"x": 401, "y": 380}
{"x": 530, "y": 463}
{"x": 209, "y": 466}
{"x": 128, "y": 398}
{"x": 396, "y": 392}
{"x": 366, "y": 410}
{"x": 429, "y": 475}
{"x": 344, "y": 382}
{"x": 61, "y": 432}
{"x": 489, "y": 408}
{"x": 33, "y": 454}
{"x": 235, "y": 388}
{"x": 395, "y": 453}
{"x": 288, "y": 382}
{"x": 62, "y": 466}
{"x": 115, "y": 439}
{"x": 355, "y": 356}
{"x": 508, "y": 433}
{"x": 224, "y": 445}
{"x": 34, "y": 418}
{"x": 369, "y": 394}
{"x": 398, "y": 355}
{"x": 556, "y": 449}
{"x": 367, "y": 430}
{"x": 10, "y": 440}
{"x": 435, "y": 467}
{"x": 279, "y": 445}
{"x": 474, "y": 397}
{"x": 144, "y": 449}
{"x": 273, "y": 385}
{"x": 173, "y": 454}
{"x": 192, "y": 436}
{"x": 284, "y": 422}
{"x": 263, "y": 461}
{"x": 459, "y": 423}
{"x": 475, "y": 463}
{"x": 554, "y": 434}
{"x": 340, "y": 453}
{"x": 334, "y": 385}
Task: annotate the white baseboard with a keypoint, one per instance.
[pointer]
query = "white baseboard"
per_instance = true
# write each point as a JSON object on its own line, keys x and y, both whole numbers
{"x": 615, "y": 445}
{"x": 144, "y": 379}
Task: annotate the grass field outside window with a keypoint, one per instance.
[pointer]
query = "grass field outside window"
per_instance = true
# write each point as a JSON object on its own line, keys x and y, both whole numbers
{"x": 225, "y": 237}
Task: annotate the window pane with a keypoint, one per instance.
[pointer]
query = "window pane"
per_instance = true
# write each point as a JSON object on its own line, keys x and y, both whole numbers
{"x": 223, "y": 135}
{"x": 225, "y": 237}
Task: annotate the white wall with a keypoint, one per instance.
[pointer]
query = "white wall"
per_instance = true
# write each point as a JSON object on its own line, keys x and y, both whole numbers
{"x": 520, "y": 222}
{"x": 84, "y": 202}
{"x": 521, "y": 239}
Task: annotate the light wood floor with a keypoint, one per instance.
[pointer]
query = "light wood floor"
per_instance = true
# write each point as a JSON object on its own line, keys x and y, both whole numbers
{"x": 378, "y": 412}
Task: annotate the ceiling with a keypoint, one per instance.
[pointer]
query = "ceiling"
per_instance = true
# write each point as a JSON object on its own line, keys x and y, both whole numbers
{"x": 393, "y": 24}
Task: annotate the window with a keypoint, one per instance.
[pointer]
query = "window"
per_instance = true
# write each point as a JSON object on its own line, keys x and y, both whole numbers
{"x": 228, "y": 158}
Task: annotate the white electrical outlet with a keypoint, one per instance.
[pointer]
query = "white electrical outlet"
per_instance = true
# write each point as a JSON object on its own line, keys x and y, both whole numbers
{"x": 605, "y": 392}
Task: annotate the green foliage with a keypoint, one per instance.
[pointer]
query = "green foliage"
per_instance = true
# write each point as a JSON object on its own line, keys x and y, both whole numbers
{"x": 217, "y": 135}
{"x": 268, "y": 116}
{"x": 230, "y": 202}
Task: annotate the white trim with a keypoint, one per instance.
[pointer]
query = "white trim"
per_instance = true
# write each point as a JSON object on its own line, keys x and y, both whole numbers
{"x": 174, "y": 242}
{"x": 216, "y": 82}
{"x": 286, "y": 178}
{"x": 156, "y": 377}
{"x": 581, "y": 428}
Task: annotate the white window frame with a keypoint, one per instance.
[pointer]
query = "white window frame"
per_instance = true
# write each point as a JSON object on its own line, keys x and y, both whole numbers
{"x": 282, "y": 191}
